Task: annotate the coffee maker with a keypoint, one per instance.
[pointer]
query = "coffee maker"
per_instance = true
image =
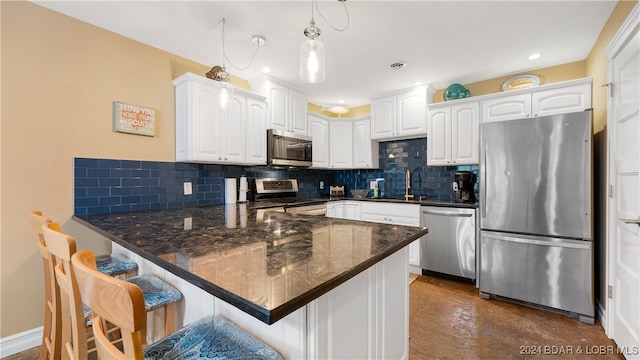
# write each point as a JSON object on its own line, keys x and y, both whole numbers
{"x": 464, "y": 186}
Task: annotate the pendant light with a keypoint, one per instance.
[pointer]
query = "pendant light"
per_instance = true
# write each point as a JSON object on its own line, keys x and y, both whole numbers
{"x": 312, "y": 52}
{"x": 224, "y": 88}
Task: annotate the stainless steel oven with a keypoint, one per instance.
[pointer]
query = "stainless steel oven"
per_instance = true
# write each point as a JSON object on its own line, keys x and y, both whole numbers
{"x": 288, "y": 149}
{"x": 281, "y": 195}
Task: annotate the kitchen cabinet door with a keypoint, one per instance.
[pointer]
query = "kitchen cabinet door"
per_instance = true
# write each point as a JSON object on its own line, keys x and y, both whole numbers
{"x": 298, "y": 112}
{"x": 278, "y": 106}
{"x": 198, "y": 121}
{"x": 563, "y": 100}
{"x": 439, "y": 137}
{"x": 256, "y": 128}
{"x": 341, "y": 144}
{"x": 506, "y": 108}
{"x": 365, "y": 150}
{"x": 383, "y": 117}
{"x": 412, "y": 113}
{"x": 319, "y": 132}
{"x": 234, "y": 135}
{"x": 465, "y": 134}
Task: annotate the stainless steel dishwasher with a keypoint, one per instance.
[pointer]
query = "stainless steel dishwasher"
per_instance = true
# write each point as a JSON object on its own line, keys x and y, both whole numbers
{"x": 450, "y": 246}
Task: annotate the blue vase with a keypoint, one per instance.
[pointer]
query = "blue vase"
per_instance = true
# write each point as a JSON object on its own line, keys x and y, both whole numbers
{"x": 456, "y": 91}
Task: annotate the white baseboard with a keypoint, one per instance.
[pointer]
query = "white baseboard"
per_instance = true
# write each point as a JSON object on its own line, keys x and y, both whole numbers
{"x": 20, "y": 342}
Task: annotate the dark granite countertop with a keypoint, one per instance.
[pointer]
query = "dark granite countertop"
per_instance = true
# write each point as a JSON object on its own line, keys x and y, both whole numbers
{"x": 266, "y": 263}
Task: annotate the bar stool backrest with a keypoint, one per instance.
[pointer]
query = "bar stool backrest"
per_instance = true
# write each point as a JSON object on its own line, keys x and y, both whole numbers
{"x": 116, "y": 301}
{"x": 74, "y": 333}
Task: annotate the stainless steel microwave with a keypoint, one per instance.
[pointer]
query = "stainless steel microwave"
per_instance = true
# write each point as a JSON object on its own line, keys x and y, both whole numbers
{"x": 288, "y": 149}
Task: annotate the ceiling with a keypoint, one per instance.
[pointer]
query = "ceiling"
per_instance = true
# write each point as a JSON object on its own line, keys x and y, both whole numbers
{"x": 441, "y": 42}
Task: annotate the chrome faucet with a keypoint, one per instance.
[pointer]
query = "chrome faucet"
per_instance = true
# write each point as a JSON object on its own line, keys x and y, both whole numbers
{"x": 407, "y": 186}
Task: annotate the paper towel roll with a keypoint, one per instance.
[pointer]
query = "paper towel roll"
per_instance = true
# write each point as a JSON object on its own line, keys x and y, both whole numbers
{"x": 242, "y": 196}
{"x": 244, "y": 185}
{"x": 242, "y": 210}
{"x": 230, "y": 191}
{"x": 230, "y": 216}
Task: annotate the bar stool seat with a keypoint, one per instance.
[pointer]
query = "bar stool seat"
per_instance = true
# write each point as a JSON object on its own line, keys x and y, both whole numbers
{"x": 157, "y": 294}
{"x": 113, "y": 264}
{"x": 211, "y": 337}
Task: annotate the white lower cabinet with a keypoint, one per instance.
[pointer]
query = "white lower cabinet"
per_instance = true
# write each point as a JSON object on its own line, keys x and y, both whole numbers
{"x": 344, "y": 209}
{"x": 366, "y": 317}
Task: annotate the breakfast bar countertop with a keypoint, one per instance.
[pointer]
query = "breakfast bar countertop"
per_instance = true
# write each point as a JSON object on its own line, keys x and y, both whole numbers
{"x": 266, "y": 263}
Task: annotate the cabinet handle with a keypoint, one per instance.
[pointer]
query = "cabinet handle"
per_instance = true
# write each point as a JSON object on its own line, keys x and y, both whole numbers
{"x": 527, "y": 115}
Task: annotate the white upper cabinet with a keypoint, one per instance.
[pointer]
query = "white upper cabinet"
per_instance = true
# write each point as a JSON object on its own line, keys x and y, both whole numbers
{"x": 341, "y": 144}
{"x": 319, "y": 132}
{"x": 256, "y": 129}
{"x": 465, "y": 133}
{"x": 506, "y": 108}
{"x": 552, "y": 99}
{"x": 365, "y": 151}
{"x": 206, "y": 132}
{"x": 400, "y": 116}
{"x": 454, "y": 134}
{"x": 287, "y": 108}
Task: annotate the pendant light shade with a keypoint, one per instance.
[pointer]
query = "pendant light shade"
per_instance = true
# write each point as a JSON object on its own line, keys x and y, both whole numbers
{"x": 225, "y": 93}
{"x": 312, "y": 61}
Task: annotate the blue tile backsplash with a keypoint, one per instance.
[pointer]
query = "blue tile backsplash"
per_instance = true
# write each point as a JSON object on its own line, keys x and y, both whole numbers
{"x": 109, "y": 185}
{"x": 433, "y": 182}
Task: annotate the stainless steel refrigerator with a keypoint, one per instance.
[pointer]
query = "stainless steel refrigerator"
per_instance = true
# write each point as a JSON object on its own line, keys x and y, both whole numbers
{"x": 536, "y": 211}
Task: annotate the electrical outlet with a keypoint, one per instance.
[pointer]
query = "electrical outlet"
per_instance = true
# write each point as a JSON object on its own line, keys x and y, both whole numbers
{"x": 321, "y": 185}
{"x": 187, "y": 188}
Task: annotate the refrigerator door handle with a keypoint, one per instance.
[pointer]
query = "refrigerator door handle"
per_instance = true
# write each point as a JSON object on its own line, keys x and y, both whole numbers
{"x": 632, "y": 221}
{"x": 575, "y": 244}
{"x": 483, "y": 178}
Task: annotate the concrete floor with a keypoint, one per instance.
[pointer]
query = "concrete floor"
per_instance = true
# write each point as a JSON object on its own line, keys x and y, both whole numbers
{"x": 448, "y": 320}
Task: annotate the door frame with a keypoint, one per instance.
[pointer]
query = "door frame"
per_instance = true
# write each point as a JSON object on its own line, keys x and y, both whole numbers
{"x": 624, "y": 34}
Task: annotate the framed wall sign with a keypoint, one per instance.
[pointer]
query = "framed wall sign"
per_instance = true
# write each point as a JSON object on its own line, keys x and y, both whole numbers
{"x": 134, "y": 119}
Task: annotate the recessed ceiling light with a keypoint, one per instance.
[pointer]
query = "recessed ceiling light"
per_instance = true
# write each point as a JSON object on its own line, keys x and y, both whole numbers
{"x": 418, "y": 83}
{"x": 398, "y": 66}
{"x": 340, "y": 101}
{"x": 534, "y": 56}
{"x": 266, "y": 69}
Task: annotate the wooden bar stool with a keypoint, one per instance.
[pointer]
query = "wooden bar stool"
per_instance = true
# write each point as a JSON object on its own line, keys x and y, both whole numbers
{"x": 122, "y": 304}
{"x": 76, "y": 319}
{"x": 109, "y": 264}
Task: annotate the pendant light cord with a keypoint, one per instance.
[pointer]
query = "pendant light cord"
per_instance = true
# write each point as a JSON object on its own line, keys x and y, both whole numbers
{"x": 344, "y": 3}
{"x": 224, "y": 54}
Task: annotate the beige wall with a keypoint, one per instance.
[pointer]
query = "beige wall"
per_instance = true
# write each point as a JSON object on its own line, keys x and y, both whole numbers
{"x": 59, "y": 78}
{"x": 547, "y": 75}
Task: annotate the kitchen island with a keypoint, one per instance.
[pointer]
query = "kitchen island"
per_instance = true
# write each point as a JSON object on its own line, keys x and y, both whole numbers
{"x": 312, "y": 287}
